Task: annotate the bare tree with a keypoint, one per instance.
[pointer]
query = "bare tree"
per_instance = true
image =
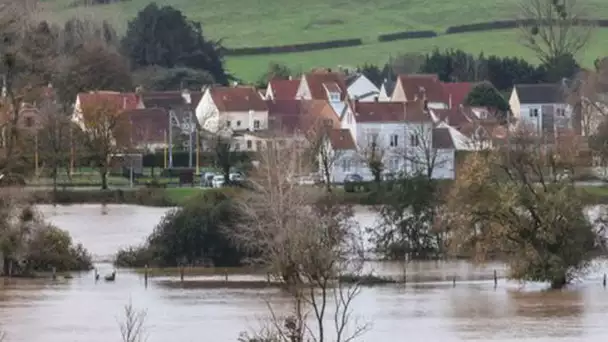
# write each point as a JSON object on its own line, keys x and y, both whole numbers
{"x": 106, "y": 132}
{"x": 53, "y": 137}
{"x": 422, "y": 153}
{"x": 132, "y": 327}
{"x": 588, "y": 96}
{"x": 309, "y": 244}
{"x": 323, "y": 153}
{"x": 372, "y": 154}
{"x": 553, "y": 29}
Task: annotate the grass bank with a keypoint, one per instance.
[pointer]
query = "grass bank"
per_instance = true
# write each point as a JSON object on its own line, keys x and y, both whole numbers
{"x": 171, "y": 197}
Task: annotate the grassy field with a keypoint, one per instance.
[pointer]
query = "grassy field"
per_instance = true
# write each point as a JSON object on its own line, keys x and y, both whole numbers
{"x": 265, "y": 22}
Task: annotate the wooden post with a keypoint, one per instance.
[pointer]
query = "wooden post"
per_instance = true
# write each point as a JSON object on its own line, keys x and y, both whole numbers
{"x": 181, "y": 273}
{"x": 268, "y": 278}
{"x": 226, "y": 274}
{"x": 405, "y": 275}
{"x": 454, "y": 281}
{"x": 54, "y": 273}
{"x": 146, "y": 276}
{"x": 604, "y": 281}
{"x": 495, "y": 279}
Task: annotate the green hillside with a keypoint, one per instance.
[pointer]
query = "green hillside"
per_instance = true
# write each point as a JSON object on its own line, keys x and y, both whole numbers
{"x": 263, "y": 22}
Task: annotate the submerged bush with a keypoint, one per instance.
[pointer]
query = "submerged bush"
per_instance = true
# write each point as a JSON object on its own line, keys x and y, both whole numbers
{"x": 52, "y": 247}
{"x": 198, "y": 233}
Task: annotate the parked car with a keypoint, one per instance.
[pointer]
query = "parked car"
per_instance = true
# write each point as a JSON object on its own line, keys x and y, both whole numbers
{"x": 218, "y": 181}
{"x": 236, "y": 177}
{"x": 353, "y": 177}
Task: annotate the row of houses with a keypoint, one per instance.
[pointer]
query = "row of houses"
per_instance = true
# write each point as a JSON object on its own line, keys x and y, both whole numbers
{"x": 417, "y": 122}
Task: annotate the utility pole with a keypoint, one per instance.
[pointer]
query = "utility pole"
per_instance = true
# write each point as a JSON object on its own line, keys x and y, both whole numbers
{"x": 190, "y": 138}
{"x": 171, "y": 115}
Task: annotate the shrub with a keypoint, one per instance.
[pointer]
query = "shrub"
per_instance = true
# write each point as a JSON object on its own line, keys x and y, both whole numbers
{"x": 264, "y": 50}
{"x": 406, "y": 35}
{"x": 52, "y": 247}
{"x": 195, "y": 234}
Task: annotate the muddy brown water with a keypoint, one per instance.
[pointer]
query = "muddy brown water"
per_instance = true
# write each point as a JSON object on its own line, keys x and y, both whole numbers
{"x": 82, "y": 310}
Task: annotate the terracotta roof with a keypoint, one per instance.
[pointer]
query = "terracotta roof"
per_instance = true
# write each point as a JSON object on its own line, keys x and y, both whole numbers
{"x": 422, "y": 85}
{"x": 379, "y": 111}
{"x": 126, "y": 101}
{"x": 458, "y": 92}
{"x": 316, "y": 81}
{"x": 454, "y": 116}
{"x": 292, "y": 115}
{"x": 341, "y": 139}
{"x": 442, "y": 138}
{"x": 237, "y": 99}
{"x": 284, "y": 89}
{"x": 414, "y": 112}
{"x": 148, "y": 125}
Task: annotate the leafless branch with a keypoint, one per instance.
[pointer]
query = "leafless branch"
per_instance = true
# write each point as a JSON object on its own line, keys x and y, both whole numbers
{"x": 552, "y": 29}
{"x": 132, "y": 327}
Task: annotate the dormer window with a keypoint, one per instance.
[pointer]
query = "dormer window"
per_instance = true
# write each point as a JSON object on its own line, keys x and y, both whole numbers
{"x": 334, "y": 97}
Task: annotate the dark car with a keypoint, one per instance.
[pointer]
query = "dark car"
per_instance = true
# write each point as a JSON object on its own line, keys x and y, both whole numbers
{"x": 353, "y": 177}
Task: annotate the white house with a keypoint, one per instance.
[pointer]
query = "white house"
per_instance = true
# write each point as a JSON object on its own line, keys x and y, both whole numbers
{"x": 362, "y": 89}
{"x": 340, "y": 155}
{"x": 401, "y": 133}
{"x": 323, "y": 85}
{"x": 541, "y": 107}
{"x": 232, "y": 108}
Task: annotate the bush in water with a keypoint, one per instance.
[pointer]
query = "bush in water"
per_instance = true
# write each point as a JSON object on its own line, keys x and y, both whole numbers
{"x": 195, "y": 234}
{"x": 52, "y": 247}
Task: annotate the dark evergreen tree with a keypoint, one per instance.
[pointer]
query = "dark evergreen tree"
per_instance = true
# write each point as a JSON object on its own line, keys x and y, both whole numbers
{"x": 163, "y": 36}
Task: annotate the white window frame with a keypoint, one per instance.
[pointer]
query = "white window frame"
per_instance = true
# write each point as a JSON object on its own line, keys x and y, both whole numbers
{"x": 394, "y": 140}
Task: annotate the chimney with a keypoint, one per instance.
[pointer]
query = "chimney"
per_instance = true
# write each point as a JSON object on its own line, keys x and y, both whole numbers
{"x": 124, "y": 102}
{"x": 290, "y": 78}
{"x": 186, "y": 96}
{"x": 376, "y": 99}
{"x": 450, "y": 101}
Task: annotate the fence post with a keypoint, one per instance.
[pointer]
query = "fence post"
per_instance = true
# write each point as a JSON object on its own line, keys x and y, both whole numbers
{"x": 604, "y": 281}
{"x": 454, "y": 281}
{"x": 495, "y": 279}
{"x": 146, "y": 276}
{"x": 181, "y": 273}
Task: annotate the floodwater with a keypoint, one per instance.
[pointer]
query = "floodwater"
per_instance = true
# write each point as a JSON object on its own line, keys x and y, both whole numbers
{"x": 81, "y": 310}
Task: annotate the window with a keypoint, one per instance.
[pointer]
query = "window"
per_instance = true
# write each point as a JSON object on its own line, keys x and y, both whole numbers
{"x": 393, "y": 164}
{"x": 533, "y": 112}
{"x": 327, "y": 122}
{"x": 29, "y": 122}
{"x": 249, "y": 144}
{"x": 334, "y": 97}
{"x": 238, "y": 123}
{"x": 414, "y": 141}
{"x": 258, "y": 145}
{"x": 371, "y": 137}
{"x": 394, "y": 142}
{"x": 346, "y": 164}
{"x": 237, "y": 146}
{"x": 561, "y": 112}
{"x": 227, "y": 123}
{"x": 256, "y": 124}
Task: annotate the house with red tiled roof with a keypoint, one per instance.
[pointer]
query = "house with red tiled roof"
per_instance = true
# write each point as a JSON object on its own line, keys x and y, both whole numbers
{"x": 323, "y": 85}
{"x": 457, "y": 92}
{"x": 149, "y": 128}
{"x": 279, "y": 89}
{"x": 123, "y": 101}
{"x": 235, "y": 109}
{"x": 423, "y": 87}
{"x": 300, "y": 116}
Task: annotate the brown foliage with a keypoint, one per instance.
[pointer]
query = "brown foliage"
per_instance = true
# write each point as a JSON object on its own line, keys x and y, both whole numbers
{"x": 517, "y": 205}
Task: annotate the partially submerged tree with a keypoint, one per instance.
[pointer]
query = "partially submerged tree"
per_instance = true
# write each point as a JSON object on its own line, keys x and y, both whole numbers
{"x": 323, "y": 153}
{"x": 132, "y": 327}
{"x": 308, "y": 248}
{"x": 521, "y": 206}
{"x": 105, "y": 132}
